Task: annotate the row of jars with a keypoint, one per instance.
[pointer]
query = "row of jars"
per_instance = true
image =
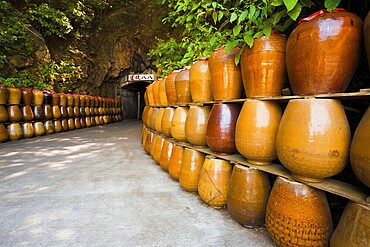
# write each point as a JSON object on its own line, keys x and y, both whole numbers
{"x": 311, "y": 139}
{"x": 26, "y": 96}
{"x": 17, "y": 131}
{"x": 294, "y": 214}
{"x": 320, "y": 56}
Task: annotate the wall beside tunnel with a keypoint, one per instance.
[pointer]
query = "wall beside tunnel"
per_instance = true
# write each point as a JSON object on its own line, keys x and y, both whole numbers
{"x": 130, "y": 104}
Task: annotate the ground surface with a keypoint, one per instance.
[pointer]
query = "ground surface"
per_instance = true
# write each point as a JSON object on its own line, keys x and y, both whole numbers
{"x": 97, "y": 187}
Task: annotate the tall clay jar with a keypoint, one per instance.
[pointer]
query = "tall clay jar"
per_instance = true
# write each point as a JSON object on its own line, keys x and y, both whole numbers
{"x": 83, "y": 122}
{"x": 62, "y": 99}
{"x": 196, "y": 125}
{"x": 200, "y": 81}
{"x": 49, "y": 127}
{"x": 174, "y": 166}
{"x": 178, "y": 124}
{"x": 14, "y": 113}
{"x": 3, "y": 114}
{"x": 158, "y": 149}
{"x": 220, "y": 134}
{"x": 76, "y": 100}
{"x": 88, "y": 121}
{"x": 366, "y": 32}
{"x": 70, "y": 111}
{"x": 28, "y": 130}
{"x": 26, "y": 96}
{"x": 165, "y": 158}
{"x": 213, "y": 181}
{"x": 15, "y": 131}
{"x": 149, "y": 90}
{"x": 38, "y": 112}
{"x": 64, "y": 111}
{"x": 256, "y": 130}
{"x": 39, "y": 128}
{"x": 247, "y": 196}
{"x": 27, "y": 114}
{"x": 56, "y": 112}
{"x": 167, "y": 121}
{"x": 82, "y": 100}
{"x": 263, "y": 66}
{"x": 156, "y": 96}
{"x": 298, "y": 215}
{"x": 38, "y": 97}
{"x": 70, "y": 100}
{"x": 76, "y": 111}
{"x": 313, "y": 138}
{"x": 71, "y": 124}
{"x": 4, "y": 136}
{"x": 360, "y": 150}
{"x": 153, "y": 118}
{"x": 323, "y": 51}
{"x": 58, "y": 126}
{"x": 64, "y": 123}
{"x": 158, "y": 120}
{"x": 48, "y": 99}
{"x": 55, "y": 99}
{"x": 14, "y": 96}
{"x": 48, "y": 113}
{"x": 162, "y": 93}
{"x": 87, "y": 100}
{"x": 191, "y": 166}
{"x": 77, "y": 123}
{"x": 153, "y": 146}
{"x": 171, "y": 87}
{"x": 353, "y": 229}
{"x": 225, "y": 74}
{"x": 148, "y": 142}
{"x": 182, "y": 86}
{"x": 4, "y": 94}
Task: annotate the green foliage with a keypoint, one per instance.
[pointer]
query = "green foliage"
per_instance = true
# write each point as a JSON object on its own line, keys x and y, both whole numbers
{"x": 23, "y": 78}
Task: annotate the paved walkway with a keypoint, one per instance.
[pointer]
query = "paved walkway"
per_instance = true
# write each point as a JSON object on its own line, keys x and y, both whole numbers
{"x": 97, "y": 187}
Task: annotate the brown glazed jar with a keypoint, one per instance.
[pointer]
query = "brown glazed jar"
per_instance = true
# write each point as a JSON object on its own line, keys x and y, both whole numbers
{"x": 154, "y": 142}
{"x": 55, "y": 99}
{"x": 14, "y": 113}
{"x": 323, "y": 52}
{"x": 87, "y": 111}
{"x": 178, "y": 124}
{"x": 14, "y": 96}
{"x": 76, "y": 100}
{"x": 76, "y": 111}
{"x": 48, "y": 113}
{"x": 71, "y": 124}
{"x": 56, "y": 112}
{"x": 3, "y": 114}
{"x": 28, "y": 130}
{"x": 182, "y": 86}
{"x": 158, "y": 149}
{"x": 196, "y": 125}
{"x": 38, "y": 112}
{"x": 63, "y": 111}
{"x": 26, "y": 96}
{"x": 88, "y": 121}
{"x": 87, "y": 100}
{"x": 15, "y": 131}
{"x": 171, "y": 88}
{"x": 82, "y": 100}
{"x": 58, "y": 126}
{"x": 93, "y": 122}
{"x": 167, "y": 121}
{"x": 49, "y": 127}
{"x": 220, "y": 134}
{"x": 82, "y": 111}
{"x": 101, "y": 120}
{"x": 65, "y": 125}
{"x": 70, "y": 112}
{"x": 4, "y": 136}
{"x": 156, "y": 96}
{"x": 225, "y": 74}
{"x": 27, "y": 114}
{"x": 191, "y": 166}
{"x": 174, "y": 166}
{"x": 247, "y": 196}
{"x": 62, "y": 99}
{"x": 165, "y": 158}
{"x": 39, "y": 128}
{"x": 200, "y": 81}
{"x": 4, "y": 94}
{"x": 83, "y": 122}
{"x": 148, "y": 142}
{"x": 77, "y": 123}
{"x": 70, "y": 100}
{"x": 38, "y": 97}
{"x": 162, "y": 93}
{"x": 298, "y": 215}
{"x": 48, "y": 99}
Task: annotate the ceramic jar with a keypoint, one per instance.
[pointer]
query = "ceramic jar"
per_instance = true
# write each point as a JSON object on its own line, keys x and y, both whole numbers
{"x": 76, "y": 111}
{"x": 88, "y": 121}
{"x": 38, "y": 112}
{"x": 4, "y": 136}
{"x": 48, "y": 99}
{"x": 26, "y": 96}
{"x": 162, "y": 93}
{"x": 14, "y": 113}
{"x": 165, "y": 158}
{"x": 213, "y": 181}
{"x": 83, "y": 122}
{"x": 144, "y": 116}
{"x": 200, "y": 81}
{"x": 256, "y": 130}
{"x": 82, "y": 100}
{"x": 313, "y": 138}
{"x": 58, "y": 126}
{"x": 71, "y": 124}
{"x": 263, "y": 66}
{"x": 39, "y": 128}
{"x": 174, "y": 166}
{"x": 64, "y": 123}
{"x": 87, "y": 111}
{"x": 93, "y": 123}
{"x": 82, "y": 111}
{"x": 97, "y": 120}
{"x": 87, "y": 100}
{"x": 149, "y": 90}
{"x": 225, "y": 74}
{"x": 191, "y": 166}
{"x": 158, "y": 149}
{"x": 55, "y": 99}
{"x": 196, "y": 125}
{"x": 64, "y": 111}
{"x": 14, "y": 97}
{"x": 182, "y": 86}
{"x": 167, "y": 121}
{"x": 353, "y": 229}
{"x": 38, "y": 97}
{"x": 15, "y": 131}
{"x": 171, "y": 87}
{"x": 158, "y": 120}
{"x": 156, "y": 97}
{"x": 49, "y": 127}
{"x": 48, "y": 113}
{"x": 27, "y": 114}
{"x": 360, "y": 150}
{"x": 247, "y": 196}
{"x": 148, "y": 142}
{"x": 178, "y": 124}
{"x": 153, "y": 118}
{"x": 4, "y": 94}
{"x": 153, "y": 146}
{"x": 62, "y": 99}
{"x": 76, "y": 100}
{"x": 220, "y": 133}
{"x": 70, "y": 100}
{"x": 28, "y": 130}
{"x": 298, "y": 215}
{"x": 3, "y": 114}
{"x": 322, "y": 52}
{"x": 366, "y": 32}
{"x": 56, "y": 112}
{"x": 77, "y": 123}
{"x": 70, "y": 111}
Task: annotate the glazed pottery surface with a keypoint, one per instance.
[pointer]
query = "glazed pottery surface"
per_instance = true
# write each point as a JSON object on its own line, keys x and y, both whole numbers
{"x": 353, "y": 229}
{"x": 200, "y": 81}
{"x": 14, "y": 97}
{"x": 148, "y": 142}
{"x": 366, "y": 32}
{"x": 54, "y": 99}
{"x": 167, "y": 121}
{"x": 49, "y": 127}
{"x": 156, "y": 97}
{"x": 158, "y": 120}
{"x": 38, "y": 112}
{"x": 313, "y": 138}
{"x": 62, "y": 99}
{"x": 83, "y": 122}
{"x": 38, "y": 97}
{"x": 58, "y": 126}
{"x": 88, "y": 121}
{"x": 323, "y": 53}
{"x": 15, "y": 131}
{"x": 154, "y": 143}
{"x": 71, "y": 124}
{"x": 263, "y": 66}
{"x": 220, "y": 134}
{"x": 178, "y": 124}
{"x": 3, "y": 114}
{"x": 298, "y": 215}
{"x": 153, "y": 118}
{"x": 174, "y": 166}
{"x": 26, "y": 96}
{"x": 48, "y": 113}
{"x": 360, "y": 150}
{"x": 4, "y": 94}
{"x": 70, "y": 111}
{"x": 56, "y": 112}
{"x": 196, "y": 125}
{"x": 162, "y": 93}
{"x": 70, "y": 100}
{"x": 213, "y": 181}
{"x": 76, "y": 111}
{"x": 225, "y": 74}
{"x": 77, "y": 123}
{"x": 63, "y": 111}
{"x": 93, "y": 123}
{"x": 158, "y": 149}
{"x": 82, "y": 100}
{"x": 191, "y": 166}
{"x": 14, "y": 113}
{"x": 166, "y": 152}
{"x": 82, "y": 111}
{"x": 171, "y": 88}
{"x": 87, "y": 100}
{"x": 27, "y": 114}
{"x": 76, "y": 100}
{"x": 4, "y": 136}
{"x": 39, "y": 128}
{"x": 247, "y": 196}
{"x": 149, "y": 90}
{"x": 182, "y": 87}
{"x": 48, "y": 99}
{"x": 28, "y": 130}
{"x": 64, "y": 123}
{"x": 256, "y": 130}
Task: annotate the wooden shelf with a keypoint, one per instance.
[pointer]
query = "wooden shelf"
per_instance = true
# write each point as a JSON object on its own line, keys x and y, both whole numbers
{"x": 333, "y": 186}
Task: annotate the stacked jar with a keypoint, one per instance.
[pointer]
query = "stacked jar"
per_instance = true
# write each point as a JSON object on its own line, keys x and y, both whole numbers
{"x": 4, "y": 94}
{"x": 14, "y": 114}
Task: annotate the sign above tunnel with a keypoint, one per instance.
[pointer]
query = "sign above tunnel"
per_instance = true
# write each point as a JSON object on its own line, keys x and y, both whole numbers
{"x": 141, "y": 77}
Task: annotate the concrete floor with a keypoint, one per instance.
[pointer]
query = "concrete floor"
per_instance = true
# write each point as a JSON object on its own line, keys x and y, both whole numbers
{"x": 97, "y": 187}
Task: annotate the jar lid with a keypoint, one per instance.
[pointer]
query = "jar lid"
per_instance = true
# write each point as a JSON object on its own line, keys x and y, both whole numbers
{"x": 318, "y": 13}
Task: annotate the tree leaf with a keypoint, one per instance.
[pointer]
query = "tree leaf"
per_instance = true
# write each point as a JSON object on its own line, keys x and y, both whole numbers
{"x": 212, "y": 40}
{"x": 307, "y": 3}
{"x": 237, "y": 56}
{"x": 294, "y": 13}
{"x": 267, "y": 30}
{"x": 233, "y": 17}
{"x": 214, "y": 4}
{"x": 277, "y": 16}
{"x": 252, "y": 11}
{"x": 331, "y": 4}
{"x": 242, "y": 16}
{"x": 231, "y": 45}
{"x": 248, "y": 39}
{"x": 220, "y": 15}
{"x": 290, "y": 4}
{"x": 214, "y": 17}
{"x": 236, "y": 30}
{"x": 277, "y": 3}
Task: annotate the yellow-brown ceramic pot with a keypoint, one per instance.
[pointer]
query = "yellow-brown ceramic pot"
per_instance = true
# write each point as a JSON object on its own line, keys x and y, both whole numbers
{"x": 200, "y": 81}
{"x": 191, "y": 166}
{"x": 196, "y": 125}
{"x": 178, "y": 124}
{"x": 174, "y": 166}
